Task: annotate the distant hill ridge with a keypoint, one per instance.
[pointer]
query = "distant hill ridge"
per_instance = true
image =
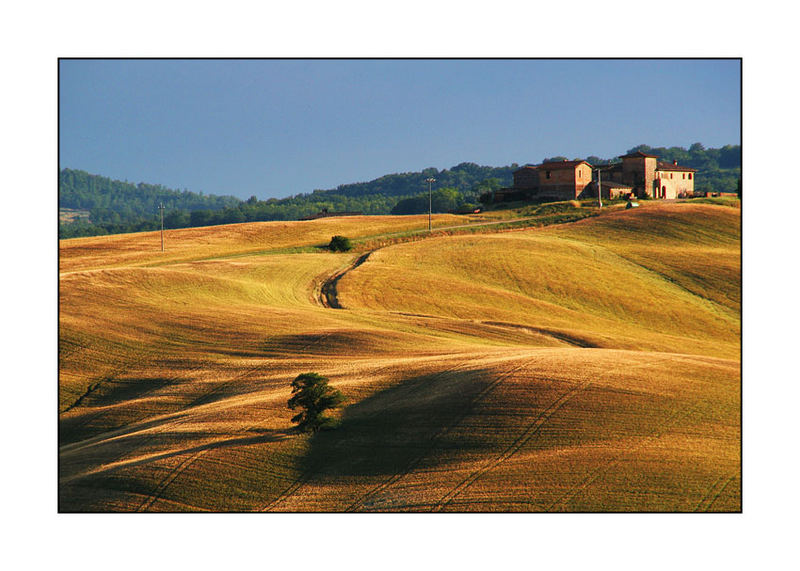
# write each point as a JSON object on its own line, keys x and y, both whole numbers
{"x": 114, "y": 206}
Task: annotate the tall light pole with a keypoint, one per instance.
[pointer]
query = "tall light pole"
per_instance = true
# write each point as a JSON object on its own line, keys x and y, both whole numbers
{"x": 430, "y": 181}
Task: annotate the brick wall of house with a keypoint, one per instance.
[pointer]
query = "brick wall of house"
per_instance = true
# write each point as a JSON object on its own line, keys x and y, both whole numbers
{"x": 583, "y": 181}
{"x": 556, "y": 183}
{"x": 526, "y": 177}
{"x": 564, "y": 183}
{"x": 639, "y": 173}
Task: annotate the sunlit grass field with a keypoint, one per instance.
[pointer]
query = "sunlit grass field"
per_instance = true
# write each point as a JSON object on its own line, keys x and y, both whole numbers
{"x": 587, "y": 366}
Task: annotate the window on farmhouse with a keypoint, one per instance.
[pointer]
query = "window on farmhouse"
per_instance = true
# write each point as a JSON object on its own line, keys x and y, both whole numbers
{"x": 690, "y": 176}
{"x": 547, "y": 174}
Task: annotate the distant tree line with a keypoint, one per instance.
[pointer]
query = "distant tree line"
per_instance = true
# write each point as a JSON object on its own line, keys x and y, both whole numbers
{"x": 116, "y": 207}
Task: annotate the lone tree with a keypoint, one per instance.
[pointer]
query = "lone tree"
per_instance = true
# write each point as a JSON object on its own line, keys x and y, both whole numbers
{"x": 340, "y": 244}
{"x": 310, "y": 392}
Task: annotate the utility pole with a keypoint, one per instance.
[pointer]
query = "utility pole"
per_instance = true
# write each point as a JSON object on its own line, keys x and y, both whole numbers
{"x": 430, "y": 181}
{"x": 161, "y": 208}
{"x": 600, "y": 188}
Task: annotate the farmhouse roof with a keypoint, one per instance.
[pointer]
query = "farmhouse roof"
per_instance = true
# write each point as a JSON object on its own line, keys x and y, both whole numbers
{"x": 555, "y": 165}
{"x": 609, "y": 167}
{"x": 673, "y": 167}
{"x": 638, "y": 155}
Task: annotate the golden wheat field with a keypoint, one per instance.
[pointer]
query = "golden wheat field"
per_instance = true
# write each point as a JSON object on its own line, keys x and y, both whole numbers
{"x": 582, "y": 367}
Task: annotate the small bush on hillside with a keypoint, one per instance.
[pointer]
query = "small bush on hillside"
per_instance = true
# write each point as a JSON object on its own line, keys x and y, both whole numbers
{"x": 340, "y": 244}
{"x": 311, "y": 393}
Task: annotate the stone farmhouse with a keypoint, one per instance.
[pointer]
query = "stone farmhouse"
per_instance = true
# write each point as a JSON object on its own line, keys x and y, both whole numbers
{"x": 638, "y": 174}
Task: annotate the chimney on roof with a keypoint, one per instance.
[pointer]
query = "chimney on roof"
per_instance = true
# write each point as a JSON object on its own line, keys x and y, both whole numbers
{"x": 675, "y": 162}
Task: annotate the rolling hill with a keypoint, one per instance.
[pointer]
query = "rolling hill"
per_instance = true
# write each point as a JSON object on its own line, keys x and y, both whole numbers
{"x": 588, "y": 366}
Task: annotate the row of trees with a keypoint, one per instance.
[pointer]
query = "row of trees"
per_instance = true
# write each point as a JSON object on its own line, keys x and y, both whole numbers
{"x": 440, "y": 200}
{"x": 126, "y": 212}
{"x": 116, "y": 206}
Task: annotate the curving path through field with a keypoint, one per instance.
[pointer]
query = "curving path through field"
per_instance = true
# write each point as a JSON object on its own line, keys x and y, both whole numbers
{"x": 328, "y": 294}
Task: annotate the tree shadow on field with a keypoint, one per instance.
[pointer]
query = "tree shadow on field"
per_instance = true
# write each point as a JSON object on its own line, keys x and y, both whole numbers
{"x": 387, "y": 432}
{"x": 453, "y": 416}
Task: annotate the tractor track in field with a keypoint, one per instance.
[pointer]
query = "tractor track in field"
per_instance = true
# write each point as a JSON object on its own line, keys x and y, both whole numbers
{"x": 564, "y": 499}
{"x": 288, "y": 492}
{"x": 126, "y": 431}
{"x": 168, "y": 479}
{"x": 713, "y": 493}
{"x": 530, "y": 431}
{"x": 434, "y": 440}
{"x": 328, "y": 293}
{"x": 112, "y": 373}
{"x": 98, "y": 439}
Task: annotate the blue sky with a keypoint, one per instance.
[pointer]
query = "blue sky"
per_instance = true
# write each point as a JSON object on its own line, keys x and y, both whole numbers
{"x": 274, "y": 128}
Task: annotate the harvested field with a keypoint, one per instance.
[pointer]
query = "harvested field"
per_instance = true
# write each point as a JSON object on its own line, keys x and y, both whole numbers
{"x": 589, "y": 366}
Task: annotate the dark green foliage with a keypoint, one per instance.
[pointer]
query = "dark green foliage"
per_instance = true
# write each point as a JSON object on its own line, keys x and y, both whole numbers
{"x": 116, "y": 207}
{"x": 340, "y": 244}
{"x": 80, "y": 190}
{"x": 440, "y": 200}
{"x": 311, "y": 393}
{"x": 104, "y": 197}
{"x": 486, "y": 197}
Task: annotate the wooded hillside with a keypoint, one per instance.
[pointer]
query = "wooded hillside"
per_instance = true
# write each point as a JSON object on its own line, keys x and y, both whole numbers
{"x": 110, "y": 206}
